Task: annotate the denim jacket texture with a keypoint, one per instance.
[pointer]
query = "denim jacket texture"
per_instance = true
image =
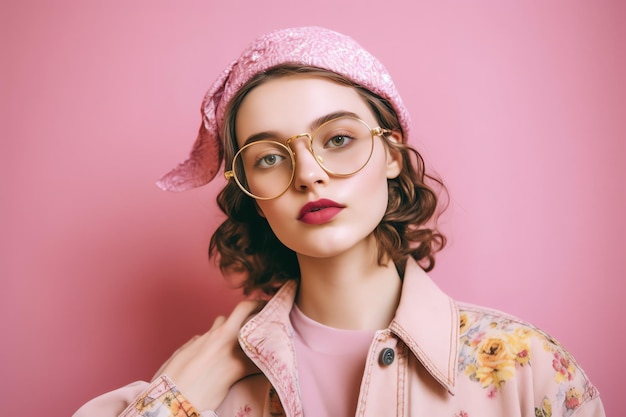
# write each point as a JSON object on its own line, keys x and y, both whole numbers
{"x": 437, "y": 357}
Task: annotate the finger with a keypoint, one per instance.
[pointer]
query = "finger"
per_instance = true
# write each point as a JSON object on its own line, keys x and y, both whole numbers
{"x": 169, "y": 360}
{"x": 242, "y": 311}
{"x": 187, "y": 343}
{"x": 219, "y": 320}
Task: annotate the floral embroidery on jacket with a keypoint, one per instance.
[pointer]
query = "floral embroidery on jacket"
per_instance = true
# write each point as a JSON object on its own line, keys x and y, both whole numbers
{"x": 572, "y": 399}
{"x": 564, "y": 367}
{"x": 170, "y": 403}
{"x": 545, "y": 410}
{"x": 244, "y": 411}
{"x": 495, "y": 347}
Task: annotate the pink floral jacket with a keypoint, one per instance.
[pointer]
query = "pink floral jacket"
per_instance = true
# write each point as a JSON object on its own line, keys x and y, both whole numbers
{"x": 438, "y": 357}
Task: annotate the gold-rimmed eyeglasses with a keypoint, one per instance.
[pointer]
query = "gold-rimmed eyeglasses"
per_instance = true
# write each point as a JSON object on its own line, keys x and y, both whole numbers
{"x": 264, "y": 169}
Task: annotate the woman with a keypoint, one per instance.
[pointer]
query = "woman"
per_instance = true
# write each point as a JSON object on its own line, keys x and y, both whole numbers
{"x": 331, "y": 216}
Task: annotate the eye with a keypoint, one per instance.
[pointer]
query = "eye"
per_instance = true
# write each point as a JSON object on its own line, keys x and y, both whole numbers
{"x": 269, "y": 160}
{"x": 338, "y": 141}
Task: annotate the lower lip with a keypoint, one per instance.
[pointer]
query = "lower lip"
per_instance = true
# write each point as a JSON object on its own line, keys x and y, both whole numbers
{"x": 320, "y": 216}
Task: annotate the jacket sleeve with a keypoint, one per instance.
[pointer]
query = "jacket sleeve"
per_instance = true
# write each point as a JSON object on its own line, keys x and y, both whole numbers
{"x": 524, "y": 367}
{"x": 142, "y": 399}
{"x": 561, "y": 386}
{"x": 592, "y": 408}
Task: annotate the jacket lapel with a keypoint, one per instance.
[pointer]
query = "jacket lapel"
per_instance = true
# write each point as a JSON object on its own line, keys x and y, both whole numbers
{"x": 427, "y": 321}
{"x": 267, "y": 340}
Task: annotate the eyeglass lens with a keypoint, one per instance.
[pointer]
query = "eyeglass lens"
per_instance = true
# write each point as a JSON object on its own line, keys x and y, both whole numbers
{"x": 341, "y": 146}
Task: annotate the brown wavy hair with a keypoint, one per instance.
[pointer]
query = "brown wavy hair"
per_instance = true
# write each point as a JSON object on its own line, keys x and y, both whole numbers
{"x": 246, "y": 247}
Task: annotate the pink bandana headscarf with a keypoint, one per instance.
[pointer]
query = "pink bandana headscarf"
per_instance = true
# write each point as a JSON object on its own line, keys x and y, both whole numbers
{"x": 312, "y": 46}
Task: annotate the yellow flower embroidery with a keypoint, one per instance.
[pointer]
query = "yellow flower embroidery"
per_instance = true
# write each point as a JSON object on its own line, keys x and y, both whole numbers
{"x": 496, "y": 358}
{"x": 463, "y": 323}
{"x": 521, "y": 346}
{"x": 545, "y": 410}
{"x": 572, "y": 399}
{"x": 172, "y": 401}
{"x": 495, "y": 363}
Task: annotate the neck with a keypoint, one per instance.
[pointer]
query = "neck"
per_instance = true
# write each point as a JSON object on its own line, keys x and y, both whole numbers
{"x": 349, "y": 291}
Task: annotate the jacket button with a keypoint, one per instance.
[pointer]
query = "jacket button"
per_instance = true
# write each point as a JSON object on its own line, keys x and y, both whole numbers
{"x": 387, "y": 356}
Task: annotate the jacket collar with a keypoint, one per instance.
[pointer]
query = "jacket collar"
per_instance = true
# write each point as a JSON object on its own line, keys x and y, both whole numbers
{"x": 267, "y": 340}
{"x": 426, "y": 320}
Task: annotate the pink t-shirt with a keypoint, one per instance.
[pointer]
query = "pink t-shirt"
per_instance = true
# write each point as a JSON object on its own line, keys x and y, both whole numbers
{"x": 330, "y": 365}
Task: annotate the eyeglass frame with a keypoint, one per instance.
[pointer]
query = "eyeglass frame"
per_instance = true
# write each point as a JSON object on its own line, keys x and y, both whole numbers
{"x": 376, "y": 131}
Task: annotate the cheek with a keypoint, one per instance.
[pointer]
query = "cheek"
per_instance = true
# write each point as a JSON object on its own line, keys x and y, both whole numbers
{"x": 376, "y": 191}
{"x": 275, "y": 213}
{"x": 378, "y": 198}
{"x": 373, "y": 181}
{"x": 368, "y": 194}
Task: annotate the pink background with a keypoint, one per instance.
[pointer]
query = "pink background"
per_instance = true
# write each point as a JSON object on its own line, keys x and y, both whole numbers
{"x": 520, "y": 107}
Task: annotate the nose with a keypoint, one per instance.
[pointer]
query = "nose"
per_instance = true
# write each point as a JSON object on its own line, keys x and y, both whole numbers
{"x": 307, "y": 172}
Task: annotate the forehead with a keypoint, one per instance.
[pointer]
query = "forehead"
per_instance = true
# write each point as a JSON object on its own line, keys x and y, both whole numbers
{"x": 288, "y": 105}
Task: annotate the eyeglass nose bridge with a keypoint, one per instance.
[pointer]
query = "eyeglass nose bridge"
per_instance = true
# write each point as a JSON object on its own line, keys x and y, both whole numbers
{"x": 296, "y": 137}
{"x": 317, "y": 158}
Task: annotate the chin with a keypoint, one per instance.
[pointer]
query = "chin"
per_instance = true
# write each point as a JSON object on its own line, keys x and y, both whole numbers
{"x": 329, "y": 248}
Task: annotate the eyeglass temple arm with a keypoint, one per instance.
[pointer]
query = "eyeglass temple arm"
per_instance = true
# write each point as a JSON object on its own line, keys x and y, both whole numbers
{"x": 379, "y": 131}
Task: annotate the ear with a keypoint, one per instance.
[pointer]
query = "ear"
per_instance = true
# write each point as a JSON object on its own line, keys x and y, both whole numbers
{"x": 394, "y": 157}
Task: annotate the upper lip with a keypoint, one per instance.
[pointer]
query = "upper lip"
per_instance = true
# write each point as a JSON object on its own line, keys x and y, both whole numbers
{"x": 318, "y": 205}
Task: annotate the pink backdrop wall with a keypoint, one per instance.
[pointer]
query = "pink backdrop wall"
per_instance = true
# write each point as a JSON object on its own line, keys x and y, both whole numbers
{"x": 520, "y": 106}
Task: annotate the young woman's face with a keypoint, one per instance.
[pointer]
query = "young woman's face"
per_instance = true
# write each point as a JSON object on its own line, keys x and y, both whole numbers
{"x": 320, "y": 215}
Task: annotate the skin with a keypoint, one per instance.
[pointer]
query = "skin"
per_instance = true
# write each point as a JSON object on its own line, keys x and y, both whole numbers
{"x": 342, "y": 284}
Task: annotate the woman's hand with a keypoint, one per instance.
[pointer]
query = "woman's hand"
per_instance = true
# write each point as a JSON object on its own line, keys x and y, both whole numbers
{"x": 207, "y": 366}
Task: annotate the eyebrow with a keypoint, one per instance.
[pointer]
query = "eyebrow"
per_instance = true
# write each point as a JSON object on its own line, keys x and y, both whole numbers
{"x": 314, "y": 125}
{"x": 330, "y": 116}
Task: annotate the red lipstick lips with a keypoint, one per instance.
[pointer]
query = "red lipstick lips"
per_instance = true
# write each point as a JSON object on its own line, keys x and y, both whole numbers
{"x": 320, "y": 211}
